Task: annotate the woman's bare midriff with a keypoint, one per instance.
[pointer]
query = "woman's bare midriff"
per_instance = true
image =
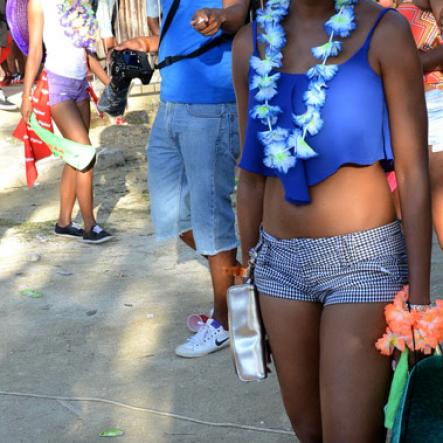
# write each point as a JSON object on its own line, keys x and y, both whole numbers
{"x": 351, "y": 200}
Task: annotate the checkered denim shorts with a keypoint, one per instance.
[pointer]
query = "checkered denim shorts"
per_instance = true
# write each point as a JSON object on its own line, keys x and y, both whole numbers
{"x": 361, "y": 267}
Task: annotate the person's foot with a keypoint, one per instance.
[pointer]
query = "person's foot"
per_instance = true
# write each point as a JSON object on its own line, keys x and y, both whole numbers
{"x": 96, "y": 235}
{"x": 73, "y": 230}
{"x": 211, "y": 338}
{"x": 5, "y": 104}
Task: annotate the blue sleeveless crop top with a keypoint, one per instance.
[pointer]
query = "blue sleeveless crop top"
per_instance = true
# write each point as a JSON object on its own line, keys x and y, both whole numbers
{"x": 355, "y": 131}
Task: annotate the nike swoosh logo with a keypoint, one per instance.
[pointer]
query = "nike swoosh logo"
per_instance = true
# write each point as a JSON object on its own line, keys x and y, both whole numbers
{"x": 219, "y": 343}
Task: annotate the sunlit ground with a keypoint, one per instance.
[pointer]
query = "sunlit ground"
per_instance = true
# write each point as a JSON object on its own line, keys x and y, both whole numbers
{"x": 106, "y": 319}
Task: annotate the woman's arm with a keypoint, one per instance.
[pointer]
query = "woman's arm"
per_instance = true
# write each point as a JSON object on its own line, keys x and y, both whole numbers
{"x": 251, "y": 186}
{"x": 402, "y": 78}
{"x": 432, "y": 60}
{"x": 96, "y": 68}
{"x": 35, "y": 26}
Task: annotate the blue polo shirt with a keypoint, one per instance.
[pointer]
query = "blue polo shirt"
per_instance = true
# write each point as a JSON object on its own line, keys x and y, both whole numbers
{"x": 206, "y": 79}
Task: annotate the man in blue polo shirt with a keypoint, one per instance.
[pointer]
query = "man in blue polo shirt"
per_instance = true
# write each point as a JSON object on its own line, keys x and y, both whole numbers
{"x": 194, "y": 146}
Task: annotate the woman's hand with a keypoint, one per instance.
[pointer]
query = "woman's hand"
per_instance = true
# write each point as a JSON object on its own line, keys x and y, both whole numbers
{"x": 26, "y": 108}
{"x": 208, "y": 21}
{"x": 141, "y": 44}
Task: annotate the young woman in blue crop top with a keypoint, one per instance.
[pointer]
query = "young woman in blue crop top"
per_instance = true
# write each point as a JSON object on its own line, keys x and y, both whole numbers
{"x": 331, "y": 254}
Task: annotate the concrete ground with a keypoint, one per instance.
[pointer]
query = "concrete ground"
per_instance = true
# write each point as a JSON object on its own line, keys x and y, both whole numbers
{"x": 103, "y": 332}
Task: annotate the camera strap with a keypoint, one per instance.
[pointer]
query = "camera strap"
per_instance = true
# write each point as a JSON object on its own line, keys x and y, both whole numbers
{"x": 201, "y": 50}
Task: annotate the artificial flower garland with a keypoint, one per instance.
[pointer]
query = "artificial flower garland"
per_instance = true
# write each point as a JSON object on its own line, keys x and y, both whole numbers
{"x": 426, "y": 325}
{"x": 80, "y": 23}
{"x": 284, "y": 147}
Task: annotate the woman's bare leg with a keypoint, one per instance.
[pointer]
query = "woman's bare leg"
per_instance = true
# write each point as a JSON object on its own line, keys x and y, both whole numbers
{"x": 293, "y": 329}
{"x": 73, "y": 122}
{"x": 67, "y": 195}
{"x": 436, "y": 176}
{"x": 85, "y": 180}
{"x": 354, "y": 376}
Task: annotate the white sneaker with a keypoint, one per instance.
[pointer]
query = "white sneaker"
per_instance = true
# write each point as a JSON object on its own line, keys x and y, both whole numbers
{"x": 211, "y": 338}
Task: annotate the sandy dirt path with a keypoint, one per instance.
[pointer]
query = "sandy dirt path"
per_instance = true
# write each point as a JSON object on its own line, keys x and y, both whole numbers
{"x": 109, "y": 316}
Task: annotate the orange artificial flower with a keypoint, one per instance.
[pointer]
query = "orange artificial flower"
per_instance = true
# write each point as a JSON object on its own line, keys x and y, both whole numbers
{"x": 399, "y": 319}
{"x": 389, "y": 342}
{"x": 427, "y": 326}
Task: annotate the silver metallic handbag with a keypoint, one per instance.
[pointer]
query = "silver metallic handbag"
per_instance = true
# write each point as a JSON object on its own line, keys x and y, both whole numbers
{"x": 249, "y": 346}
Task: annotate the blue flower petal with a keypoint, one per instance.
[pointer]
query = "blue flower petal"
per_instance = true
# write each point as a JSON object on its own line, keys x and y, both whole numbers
{"x": 264, "y": 81}
{"x": 264, "y": 112}
{"x": 276, "y": 146}
{"x": 344, "y": 3}
{"x": 266, "y": 65}
{"x": 310, "y": 121}
{"x": 274, "y": 37}
{"x": 329, "y": 49}
{"x": 279, "y": 158}
{"x": 269, "y": 16}
{"x": 322, "y": 72}
{"x": 342, "y": 23}
{"x": 315, "y": 95}
{"x": 303, "y": 150}
{"x": 266, "y": 85}
{"x": 266, "y": 94}
{"x": 292, "y": 139}
{"x": 276, "y": 135}
{"x": 284, "y": 4}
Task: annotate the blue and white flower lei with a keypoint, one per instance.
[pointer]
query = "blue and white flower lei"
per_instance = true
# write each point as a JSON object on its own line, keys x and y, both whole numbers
{"x": 284, "y": 147}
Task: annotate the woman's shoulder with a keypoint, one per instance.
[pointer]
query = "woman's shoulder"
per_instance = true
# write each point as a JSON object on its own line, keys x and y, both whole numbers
{"x": 392, "y": 22}
{"x": 392, "y": 43}
{"x": 392, "y": 32}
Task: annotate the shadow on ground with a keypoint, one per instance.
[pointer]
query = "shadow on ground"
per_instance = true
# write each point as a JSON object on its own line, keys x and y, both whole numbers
{"x": 108, "y": 320}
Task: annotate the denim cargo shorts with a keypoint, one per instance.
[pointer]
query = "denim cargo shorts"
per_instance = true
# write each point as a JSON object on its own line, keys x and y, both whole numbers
{"x": 192, "y": 154}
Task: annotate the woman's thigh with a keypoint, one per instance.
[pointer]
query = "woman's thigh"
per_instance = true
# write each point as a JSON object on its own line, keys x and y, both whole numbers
{"x": 70, "y": 120}
{"x": 85, "y": 111}
{"x": 293, "y": 331}
{"x": 354, "y": 377}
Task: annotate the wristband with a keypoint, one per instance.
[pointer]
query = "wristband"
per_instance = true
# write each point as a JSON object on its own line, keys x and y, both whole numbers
{"x": 418, "y": 308}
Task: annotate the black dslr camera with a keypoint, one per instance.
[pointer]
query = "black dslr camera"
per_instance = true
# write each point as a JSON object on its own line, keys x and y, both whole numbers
{"x": 125, "y": 66}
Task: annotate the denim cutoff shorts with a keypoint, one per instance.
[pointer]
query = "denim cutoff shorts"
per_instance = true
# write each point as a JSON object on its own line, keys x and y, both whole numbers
{"x": 361, "y": 267}
{"x": 192, "y": 154}
{"x": 62, "y": 89}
